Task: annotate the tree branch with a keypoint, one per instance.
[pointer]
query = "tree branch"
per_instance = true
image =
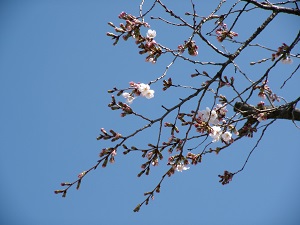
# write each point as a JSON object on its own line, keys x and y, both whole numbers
{"x": 274, "y": 7}
{"x": 286, "y": 111}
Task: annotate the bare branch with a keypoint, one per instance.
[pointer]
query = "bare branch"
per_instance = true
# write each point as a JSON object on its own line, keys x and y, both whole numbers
{"x": 274, "y": 8}
{"x": 286, "y": 111}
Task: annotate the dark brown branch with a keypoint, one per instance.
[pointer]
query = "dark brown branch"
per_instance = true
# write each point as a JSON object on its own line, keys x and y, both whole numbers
{"x": 274, "y": 7}
{"x": 286, "y": 111}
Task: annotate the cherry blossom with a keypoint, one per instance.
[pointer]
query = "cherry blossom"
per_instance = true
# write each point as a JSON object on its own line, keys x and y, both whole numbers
{"x": 150, "y": 59}
{"x": 180, "y": 167}
{"x": 285, "y": 52}
{"x": 192, "y": 48}
{"x": 215, "y": 133}
{"x": 148, "y": 94}
{"x": 208, "y": 115}
{"x": 129, "y": 98}
{"x": 261, "y": 117}
{"x": 114, "y": 152}
{"x": 287, "y": 60}
{"x": 223, "y": 32}
{"x": 221, "y": 108}
{"x": 143, "y": 87}
{"x": 81, "y": 174}
{"x": 151, "y": 33}
{"x": 209, "y": 122}
{"x": 150, "y": 44}
{"x": 226, "y": 136}
{"x": 145, "y": 90}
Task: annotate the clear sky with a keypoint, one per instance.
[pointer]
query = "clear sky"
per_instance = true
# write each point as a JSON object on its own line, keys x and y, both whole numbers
{"x": 56, "y": 65}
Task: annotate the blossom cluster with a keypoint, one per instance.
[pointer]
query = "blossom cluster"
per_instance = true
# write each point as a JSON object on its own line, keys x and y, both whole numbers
{"x": 139, "y": 89}
{"x": 283, "y": 51}
{"x": 181, "y": 167}
{"x": 191, "y": 46}
{"x": 265, "y": 91}
{"x": 151, "y": 47}
{"x": 178, "y": 166}
{"x": 217, "y": 133}
{"x": 132, "y": 28}
{"x": 178, "y": 163}
{"x": 222, "y": 32}
{"x": 226, "y": 177}
{"x": 210, "y": 121}
{"x": 213, "y": 116}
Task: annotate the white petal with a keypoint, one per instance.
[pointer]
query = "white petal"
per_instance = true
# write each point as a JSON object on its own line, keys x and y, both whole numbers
{"x": 226, "y": 136}
{"x": 148, "y": 93}
{"x": 144, "y": 87}
{"x": 151, "y": 33}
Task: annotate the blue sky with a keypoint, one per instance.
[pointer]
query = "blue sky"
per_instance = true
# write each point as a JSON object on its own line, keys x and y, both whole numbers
{"x": 56, "y": 65}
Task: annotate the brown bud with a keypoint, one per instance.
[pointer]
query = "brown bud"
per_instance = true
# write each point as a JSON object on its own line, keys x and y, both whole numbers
{"x": 58, "y": 191}
{"x": 110, "y": 34}
{"x": 64, "y": 194}
{"x": 78, "y": 184}
{"x": 137, "y": 208}
{"x": 111, "y": 24}
{"x": 105, "y": 163}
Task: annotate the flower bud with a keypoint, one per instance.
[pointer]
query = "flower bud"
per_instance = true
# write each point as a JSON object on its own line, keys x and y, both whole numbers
{"x": 78, "y": 184}
{"x": 105, "y": 163}
{"x": 65, "y": 184}
{"x": 64, "y": 194}
{"x": 111, "y": 24}
{"x": 111, "y": 34}
{"x": 157, "y": 190}
{"x": 126, "y": 152}
{"x": 137, "y": 208}
{"x": 141, "y": 173}
{"x": 81, "y": 174}
{"x": 112, "y": 159}
{"x": 58, "y": 191}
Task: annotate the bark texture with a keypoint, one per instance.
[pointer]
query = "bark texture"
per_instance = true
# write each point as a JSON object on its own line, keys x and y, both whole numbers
{"x": 286, "y": 111}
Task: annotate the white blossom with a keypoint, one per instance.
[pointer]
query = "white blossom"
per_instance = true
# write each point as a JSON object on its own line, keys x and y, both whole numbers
{"x": 226, "y": 136}
{"x": 129, "y": 98}
{"x": 148, "y": 94}
{"x": 151, "y": 33}
{"x": 261, "y": 117}
{"x": 143, "y": 87}
{"x": 287, "y": 60}
{"x": 215, "y": 133}
{"x": 151, "y": 60}
{"x": 180, "y": 167}
{"x": 208, "y": 115}
{"x": 221, "y": 108}
{"x": 146, "y": 91}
